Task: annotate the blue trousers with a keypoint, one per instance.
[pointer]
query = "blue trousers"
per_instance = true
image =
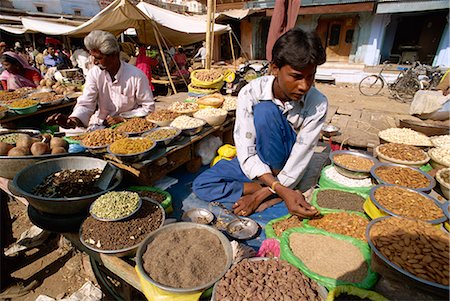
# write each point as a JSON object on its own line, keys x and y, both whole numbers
{"x": 274, "y": 141}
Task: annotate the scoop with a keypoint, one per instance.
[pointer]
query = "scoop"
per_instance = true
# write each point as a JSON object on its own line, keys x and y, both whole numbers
{"x": 107, "y": 175}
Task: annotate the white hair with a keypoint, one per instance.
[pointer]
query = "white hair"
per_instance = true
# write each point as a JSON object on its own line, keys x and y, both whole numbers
{"x": 102, "y": 41}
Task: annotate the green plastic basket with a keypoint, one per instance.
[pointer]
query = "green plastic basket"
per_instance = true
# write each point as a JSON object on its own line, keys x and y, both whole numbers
{"x": 166, "y": 204}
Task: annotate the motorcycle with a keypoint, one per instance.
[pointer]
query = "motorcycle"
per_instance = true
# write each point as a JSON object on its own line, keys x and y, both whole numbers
{"x": 236, "y": 80}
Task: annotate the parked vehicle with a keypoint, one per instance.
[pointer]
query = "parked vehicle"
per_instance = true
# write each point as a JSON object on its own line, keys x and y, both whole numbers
{"x": 236, "y": 80}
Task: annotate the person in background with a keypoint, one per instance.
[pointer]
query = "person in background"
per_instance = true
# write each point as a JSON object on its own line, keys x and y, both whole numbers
{"x": 2, "y": 47}
{"x": 112, "y": 87}
{"x": 21, "y": 51}
{"x": 145, "y": 64}
{"x": 202, "y": 54}
{"x": 52, "y": 59}
{"x": 64, "y": 55}
{"x": 278, "y": 123}
{"x": 180, "y": 59}
{"x": 80, "y": 59}
{"x": 40, "y": 64}
{"x": 17, "y": 72}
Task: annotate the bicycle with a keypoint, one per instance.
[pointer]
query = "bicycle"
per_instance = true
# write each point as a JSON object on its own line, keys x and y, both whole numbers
{"x": 403, "y": 88}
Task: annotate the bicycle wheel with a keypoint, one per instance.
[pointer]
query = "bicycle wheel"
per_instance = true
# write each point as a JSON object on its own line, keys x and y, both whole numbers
{"x": 371, "y": 85}
{"x": 405, "y": 88}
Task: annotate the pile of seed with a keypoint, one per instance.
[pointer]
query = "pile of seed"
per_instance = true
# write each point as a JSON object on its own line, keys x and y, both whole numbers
{"x": 135, "y": 125}
{"x": 402, "y": 152}
{"x": 329, "y": 257}
{"x": 402, "y": 176}
{"x": 115, "y": 204}
{"x": 415, "y": 246}
{"x": 288, "y": 223}
{"x": 185, "y": 258}
{"x": 334, "y": 175}
{"x": 336, "y": 199}
{"x": 266, "y": 280}
{"x": 162, "y": 115}
{"x": 156, "y": 196}
{"x": 342, "y": 223}
{"x": 122, "y": 234}
{"x": 353, "y": 162}
{"x": 161, "y": 134}
{"x": 69, "y": 183}
{"x": 407, "y": 203}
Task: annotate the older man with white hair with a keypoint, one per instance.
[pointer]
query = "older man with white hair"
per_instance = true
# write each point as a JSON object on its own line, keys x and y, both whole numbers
{"x": 112, "y": 87}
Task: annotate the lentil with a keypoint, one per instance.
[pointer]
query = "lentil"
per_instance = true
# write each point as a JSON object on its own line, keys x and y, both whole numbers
{"x": 115, "y": 204}
{"x": 342, "y": 223}
{"x": 336, "y": 199}
{"x": 353, "y": 162}
{"x": 402, "y": 176}
{"x": 404, "y": 136}
{"x": 125, "y": 233}
{"x": 162, "y": 115}
{"x": 407, "y": 203}
{"x": 161, "y": 134}
{"x": 266, "y": 280}
{"x": 23, "y": 103}
{"x": 402, "y": 152}
{"x": 69, "y": 183}
{"x": 334, "y": 175}
{"x": 414, "y": 246}
{"x": 191, "y": 258}
{"x": 186, "y": 122}
{"x": 101, "y": 137}
{"x": 329, "y": 257}
{"x": 127, "y": 146}
{"x": 135, "y": 125}
{"x": 288, "y": 223}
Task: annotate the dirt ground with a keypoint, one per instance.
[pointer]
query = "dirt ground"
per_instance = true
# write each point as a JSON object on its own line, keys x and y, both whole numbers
{"x": 62, "y": 270}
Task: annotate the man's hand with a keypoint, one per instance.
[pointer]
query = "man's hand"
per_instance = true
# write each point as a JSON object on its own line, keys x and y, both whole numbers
{"x": 295, "y": 202}
{"x": 112, "y": 120}
{"x": 63, "y": 121}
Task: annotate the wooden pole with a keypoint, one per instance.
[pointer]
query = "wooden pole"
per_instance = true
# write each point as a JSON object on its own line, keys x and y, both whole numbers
{"x": 208, "y": 34}
{"x": 213, "y": 38}
{"x": 164, "y": 58}
{"x": 232, "y": 49}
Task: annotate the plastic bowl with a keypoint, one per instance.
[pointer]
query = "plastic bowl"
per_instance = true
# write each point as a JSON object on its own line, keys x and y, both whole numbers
{"x": 384, "y": 209}
{"x": 445, "y": 187}
{"x": 165, "y": 141}
{"x": 380, "y": 181}
{"x": 26, "y": 110}
{"x": 349, "y": 172}
{"x": 212, "y": 120}
{"x": 130, "y": 158}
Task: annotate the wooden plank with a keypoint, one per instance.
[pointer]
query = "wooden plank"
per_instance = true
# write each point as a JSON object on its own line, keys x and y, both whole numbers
{"x": 122, "y": 269}
{"x": 330, "y": 113}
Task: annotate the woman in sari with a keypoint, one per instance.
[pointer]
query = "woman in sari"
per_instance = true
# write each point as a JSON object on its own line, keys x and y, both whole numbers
{"x": 146, "y": 64}
{"x": 18, "y": 73}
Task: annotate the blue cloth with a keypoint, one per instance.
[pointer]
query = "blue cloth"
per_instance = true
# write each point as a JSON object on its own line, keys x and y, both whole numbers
{"x": 274, "y": 141}
{"x": 52, "y": 61}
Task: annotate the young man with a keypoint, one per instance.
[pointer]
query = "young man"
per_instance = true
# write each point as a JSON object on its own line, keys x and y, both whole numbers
{"x": 278, "y": 122}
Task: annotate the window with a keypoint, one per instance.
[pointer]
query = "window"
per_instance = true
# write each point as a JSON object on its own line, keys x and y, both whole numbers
{"x": 335, "y": 32}
{"x": 349, "y": 36}
{"x": 40, "y": 8}
{"x": 77, "y": 12}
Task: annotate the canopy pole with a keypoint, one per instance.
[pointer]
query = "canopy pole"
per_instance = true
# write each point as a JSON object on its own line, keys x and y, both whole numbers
{"x": 232, "y": 49}
{"x": 213, "y": 37}
{"x": 208, "y": 34}
{"x": 34, "y": 40}
{"x": 164, "y": 59}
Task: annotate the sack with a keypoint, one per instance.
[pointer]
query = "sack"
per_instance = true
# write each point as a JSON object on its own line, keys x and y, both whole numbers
{"x": 354, "y": 291}
{"x": 329, "y": 283}
{"x": 326, "y": 182}
{"x": 329, "y": 210}
{"x": 195, "y": 91}
{"x": 270, "y": 232}
{"x": 217, "y": 83}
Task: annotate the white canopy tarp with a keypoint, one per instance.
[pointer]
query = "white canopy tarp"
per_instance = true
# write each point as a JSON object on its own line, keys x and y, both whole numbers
{"x": 15, "y": 29}
{"x": 44, "y": 26}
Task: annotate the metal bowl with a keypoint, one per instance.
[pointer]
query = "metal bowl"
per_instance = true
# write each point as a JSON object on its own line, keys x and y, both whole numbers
{"x": 330, "y": 130}
{"x": 95, "y": 149}
{"x": 193, "y": 131}
{"x": 322, "y": 291}
{"x": 131, "y": 114}
{"x": 52, "y": 103}
{"x": 167, "y": 140}
{"x": 130, "y": 251}
{"x": 349, "y": 172}
{"x": 380, "y": 181}
{"x": 243, "y": 228}
{"x": 383, "y": 158}
{"x": 198, "y": 215}
{"x": 382, "y": 208}
{"x": 130, "y": 158}
{"x": 401, "y": 275}
{"x": 182, "y": 226}
{"x": 114, "y": 219}
{"x": 28, "y": 178}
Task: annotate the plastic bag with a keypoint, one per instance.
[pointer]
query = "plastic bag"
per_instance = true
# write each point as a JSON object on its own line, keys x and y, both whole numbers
{"x": 329, "y": 283}
{"x": 226, "y": 151}
{"x": 371, "y": 210}
{"x": 166, "y": 204}
{"x": 270, "y": 232}
{"x": 326, "y": 182}
{"x": 153, "y": 293}
{"x": 217, "y": 83}
{"x": 207, "y": 148}
{"x": 329, "y": 210}
{"x": 354, "y": 291}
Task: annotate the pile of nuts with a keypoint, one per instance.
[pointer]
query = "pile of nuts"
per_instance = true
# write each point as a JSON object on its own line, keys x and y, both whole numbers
{"x": 101, "y": 138}
{"x": 440, "y": 155}
{"x": 180, "y": 107}
{"x": 230, "y": 103}
{"x": 135, "y": 125}
{"x": 186, "y": 122}
{"x": 128, "y": 146}
{"x": 8, "y": 97}
{"x": 404, "y": 136}
{"x": 266, "y": 280}
{"x": 342, "y": 223}
{"x": 208, "y": 75}
{"x": 441, "y": 141}
{"x": 402, "y": 176}
{"x": 415, "y": 246}
{"x": 407, "y": 203}
{"x": 353, "y": 162}
{"x": 162, "y": 115}
{"x": 402, "y": 152}
{"x": 291, "y": 222}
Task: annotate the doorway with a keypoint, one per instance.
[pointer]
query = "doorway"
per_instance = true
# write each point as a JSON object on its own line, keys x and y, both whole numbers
{"x": 337, "y": 37}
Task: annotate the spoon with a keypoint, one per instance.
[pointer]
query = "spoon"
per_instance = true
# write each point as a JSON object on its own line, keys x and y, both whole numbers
{"x": 243, "y": 221}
